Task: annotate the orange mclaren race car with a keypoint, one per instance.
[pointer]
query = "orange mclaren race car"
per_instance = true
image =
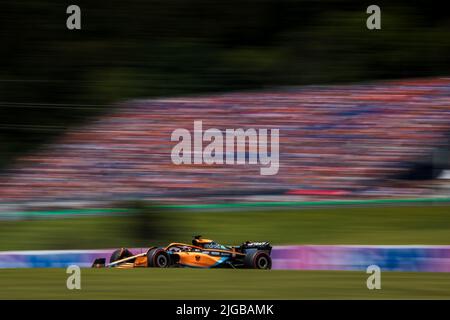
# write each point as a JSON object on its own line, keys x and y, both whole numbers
{"x": 202, "y": 253}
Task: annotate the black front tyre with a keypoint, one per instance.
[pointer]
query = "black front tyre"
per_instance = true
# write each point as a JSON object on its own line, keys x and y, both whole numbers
{"x": 258, "y": 260}
{"x": 120, "y": 254}
{"x": 158, "y": 258}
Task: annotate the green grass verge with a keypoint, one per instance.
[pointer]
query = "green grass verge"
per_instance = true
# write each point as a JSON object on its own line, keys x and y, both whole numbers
{"x": 381, "y": 225}
{"x": 219, "y": 284}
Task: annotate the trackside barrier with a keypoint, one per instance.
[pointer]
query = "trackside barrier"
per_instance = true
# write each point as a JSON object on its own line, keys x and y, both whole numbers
{"x": 418, "y": 258}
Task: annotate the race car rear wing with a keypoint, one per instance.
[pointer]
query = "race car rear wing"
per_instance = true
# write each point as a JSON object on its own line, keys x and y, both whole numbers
{"x": 248, "y": 245}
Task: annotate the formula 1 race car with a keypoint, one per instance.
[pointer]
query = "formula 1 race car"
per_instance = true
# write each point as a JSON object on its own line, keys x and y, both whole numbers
{"x": 202, "y": 253}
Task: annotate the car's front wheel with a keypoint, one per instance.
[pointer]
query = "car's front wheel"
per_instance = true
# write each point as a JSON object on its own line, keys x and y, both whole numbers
{"x": 120, "y": 254}
{"x": 258, "y": 260}
{"x": 158, "y": 258}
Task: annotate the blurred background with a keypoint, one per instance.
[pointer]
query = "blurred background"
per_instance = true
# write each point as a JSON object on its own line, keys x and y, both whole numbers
{"x": 53, "y": 78}
{"x": 86, "y": 117}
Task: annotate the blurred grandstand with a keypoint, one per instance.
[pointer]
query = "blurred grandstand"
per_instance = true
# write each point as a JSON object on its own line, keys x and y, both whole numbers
{"x": 374, "y": 140}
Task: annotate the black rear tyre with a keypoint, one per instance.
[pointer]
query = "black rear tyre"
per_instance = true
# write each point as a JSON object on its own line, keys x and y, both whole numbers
{"x": 258, "y": 260}
{"x": 158, "y": 258}
{"x": 120, "y": 254}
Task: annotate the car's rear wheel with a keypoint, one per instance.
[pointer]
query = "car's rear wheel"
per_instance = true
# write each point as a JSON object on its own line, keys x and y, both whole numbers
{"x": 158, "y": 258}
{"x": 120, "y": 254}
{"x": 258, "y": 260}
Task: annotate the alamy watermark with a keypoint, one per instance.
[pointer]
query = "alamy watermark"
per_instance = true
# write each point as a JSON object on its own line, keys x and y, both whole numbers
{"x": 74, "y": 280}
{"x": 232, "y": 147}
{"x": 73, "y": 21}
{"x": 374, "y": 280}
{"x": 373, "y": 22}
